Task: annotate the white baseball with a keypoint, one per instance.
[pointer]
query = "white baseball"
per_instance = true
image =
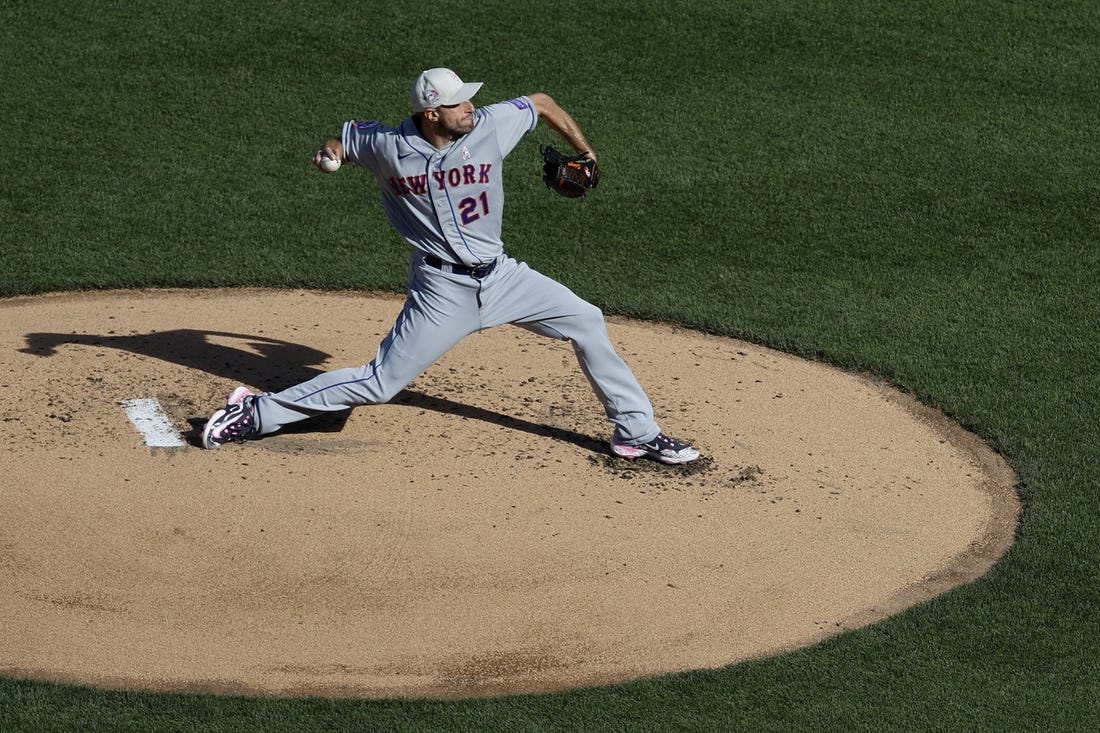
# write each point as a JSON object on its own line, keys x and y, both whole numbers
{"x": 329, "y": 165}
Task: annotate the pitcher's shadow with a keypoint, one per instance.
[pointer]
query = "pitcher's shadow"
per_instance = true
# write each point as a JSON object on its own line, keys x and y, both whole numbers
{"x": 266, "y": 361}
{"x": 274, "y": 365}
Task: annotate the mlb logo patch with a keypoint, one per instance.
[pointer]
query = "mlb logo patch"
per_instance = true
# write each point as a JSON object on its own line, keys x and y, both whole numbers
{"x": 519, "y": 103}
{"x": 366, "y": 125}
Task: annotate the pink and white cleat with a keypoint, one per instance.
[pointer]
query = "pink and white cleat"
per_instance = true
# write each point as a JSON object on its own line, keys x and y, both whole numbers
{"x": 662, "y": 448}
{"x": 237, "y": 396}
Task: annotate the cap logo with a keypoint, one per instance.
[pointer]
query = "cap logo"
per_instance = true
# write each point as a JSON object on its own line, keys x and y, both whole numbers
{"x": 431, "y": 96}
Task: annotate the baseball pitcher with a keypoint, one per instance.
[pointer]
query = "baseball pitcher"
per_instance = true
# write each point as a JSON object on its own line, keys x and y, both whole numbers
{"x": 439, "y": 174}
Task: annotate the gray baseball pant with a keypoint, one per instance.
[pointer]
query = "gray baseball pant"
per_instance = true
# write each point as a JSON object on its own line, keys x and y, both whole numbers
{"x": 442, "y": 308}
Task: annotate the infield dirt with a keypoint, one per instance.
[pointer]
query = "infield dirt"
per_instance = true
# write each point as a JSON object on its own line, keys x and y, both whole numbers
{"x": 473, "y": 537}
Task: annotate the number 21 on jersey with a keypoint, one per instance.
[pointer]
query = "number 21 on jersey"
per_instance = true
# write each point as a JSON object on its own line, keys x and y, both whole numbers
{"x": 473, "y": 208}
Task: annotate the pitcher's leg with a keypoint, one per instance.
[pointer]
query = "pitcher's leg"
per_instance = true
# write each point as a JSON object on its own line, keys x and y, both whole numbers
{"x": 543, "y": 305}
{"x": 430, "y": 323}
{"x": 625, "y": 402}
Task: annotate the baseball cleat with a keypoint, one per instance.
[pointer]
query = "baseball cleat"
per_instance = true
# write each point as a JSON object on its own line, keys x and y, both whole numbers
{"x": 233, "y": 423}
{"x": 662, "y": 448}
{"x": 237, "y": 396}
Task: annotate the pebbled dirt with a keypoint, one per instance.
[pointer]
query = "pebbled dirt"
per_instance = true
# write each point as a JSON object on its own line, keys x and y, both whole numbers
{"x": 473, "y": 537}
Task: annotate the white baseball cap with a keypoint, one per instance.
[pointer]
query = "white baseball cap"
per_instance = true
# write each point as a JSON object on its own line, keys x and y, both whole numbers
{"x": 439, "y": 87}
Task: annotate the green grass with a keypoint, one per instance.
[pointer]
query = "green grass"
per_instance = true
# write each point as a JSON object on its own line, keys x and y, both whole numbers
{"x": 904, "y": 188}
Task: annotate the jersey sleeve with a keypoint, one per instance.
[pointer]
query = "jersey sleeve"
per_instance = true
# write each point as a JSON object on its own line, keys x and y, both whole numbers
{"x": 511, "y": 120}
{"x": 358, "y": 139}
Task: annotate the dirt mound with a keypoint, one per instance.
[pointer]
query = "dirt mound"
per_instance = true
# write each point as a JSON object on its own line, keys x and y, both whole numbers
{"x": 473, "y": 537}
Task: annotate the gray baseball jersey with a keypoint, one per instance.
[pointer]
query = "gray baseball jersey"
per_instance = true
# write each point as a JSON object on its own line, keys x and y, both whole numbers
{"x": 448, "y": 204}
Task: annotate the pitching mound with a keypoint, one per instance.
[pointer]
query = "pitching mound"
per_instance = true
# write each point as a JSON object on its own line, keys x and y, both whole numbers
{"x": 474, "y": 537}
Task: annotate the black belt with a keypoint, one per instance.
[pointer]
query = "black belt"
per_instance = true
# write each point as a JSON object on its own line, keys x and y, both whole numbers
{"x": 478, "y": 273}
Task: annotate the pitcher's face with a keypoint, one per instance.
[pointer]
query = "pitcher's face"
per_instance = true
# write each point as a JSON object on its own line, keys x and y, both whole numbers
{"x": 456, "y": 120}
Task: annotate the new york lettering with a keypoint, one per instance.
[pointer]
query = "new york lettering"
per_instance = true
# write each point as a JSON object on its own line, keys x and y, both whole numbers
{"x": 466, "y": 175}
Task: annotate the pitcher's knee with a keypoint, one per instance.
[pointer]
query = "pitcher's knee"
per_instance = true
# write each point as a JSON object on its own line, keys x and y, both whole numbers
{"x": 366, "y": 385}
{"x": 386, "y": 393}
{"x": 591, "y": 316}
{"x": 380, "y": 389}
{"x": 589, "y": 329}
